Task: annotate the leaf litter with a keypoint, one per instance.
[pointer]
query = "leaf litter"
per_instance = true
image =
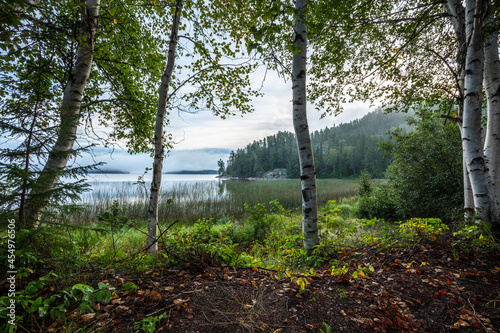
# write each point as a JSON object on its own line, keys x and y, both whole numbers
{"x": 424, "y": 290}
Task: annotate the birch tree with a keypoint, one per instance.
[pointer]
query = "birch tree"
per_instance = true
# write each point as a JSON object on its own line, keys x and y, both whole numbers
{"x": 299, "y": 100}
{"x": 69, "y": 112}
{"x": 492, "y": 89}
{"x": 424, "y": 52}
{"x": 213, "y": 76}
{"x": 277, "y": 30}
{"x": 81, "y": 60}
{"x": 481, "y": 182}
{"x": 158, "y": 135}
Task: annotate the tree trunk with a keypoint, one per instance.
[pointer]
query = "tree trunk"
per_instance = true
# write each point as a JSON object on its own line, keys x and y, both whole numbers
{"x": 158, "y": 136}
{"x": 468, "y": 195}
{"x": 457, "y": 16}
{"x": 473, "y": 89}
{"x": 70, "y": 116}
{"x": 307, "y": 171}
{"x": 492, "y": 87}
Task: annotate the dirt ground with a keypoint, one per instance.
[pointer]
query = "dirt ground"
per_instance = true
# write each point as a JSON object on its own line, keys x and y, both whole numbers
{"x": 423, "y": 290}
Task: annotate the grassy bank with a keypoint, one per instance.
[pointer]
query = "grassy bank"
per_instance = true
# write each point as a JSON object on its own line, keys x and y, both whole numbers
{"x": 189, "y": 202}
{"x": 67, "y": 276}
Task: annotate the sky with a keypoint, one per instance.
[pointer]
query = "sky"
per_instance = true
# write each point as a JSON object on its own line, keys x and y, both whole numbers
{"x": 202, "y": 139}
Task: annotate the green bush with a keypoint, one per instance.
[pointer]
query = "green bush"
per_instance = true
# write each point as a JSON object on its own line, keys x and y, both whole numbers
{"x": 205, "y": 243}
{"x": 380, "y": 204}
{"x": 425, "y": 175}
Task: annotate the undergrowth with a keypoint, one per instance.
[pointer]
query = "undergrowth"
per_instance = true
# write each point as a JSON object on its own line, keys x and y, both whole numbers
{"x": 57, "y": 264}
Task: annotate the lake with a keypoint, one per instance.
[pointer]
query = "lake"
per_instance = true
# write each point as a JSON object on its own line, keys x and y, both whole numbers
{"x": 190, "y": 197}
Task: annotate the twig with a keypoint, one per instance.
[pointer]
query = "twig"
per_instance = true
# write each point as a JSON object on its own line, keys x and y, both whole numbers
{"x": 474, "y": 312}
{"x": 162, "y": 309}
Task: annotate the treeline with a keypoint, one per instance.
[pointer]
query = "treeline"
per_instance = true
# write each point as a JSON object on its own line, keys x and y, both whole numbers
{"x": 339, "y": 151}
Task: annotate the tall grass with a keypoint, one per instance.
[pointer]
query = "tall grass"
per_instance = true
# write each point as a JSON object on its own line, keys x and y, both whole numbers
{"x": 189, "y": 201}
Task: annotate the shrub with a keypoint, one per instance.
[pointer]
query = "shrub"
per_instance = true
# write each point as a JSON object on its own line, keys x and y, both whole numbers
{"x": 425, "y": 176}
{"x": 477, "y": 237}
{"x": 381, "y": 204}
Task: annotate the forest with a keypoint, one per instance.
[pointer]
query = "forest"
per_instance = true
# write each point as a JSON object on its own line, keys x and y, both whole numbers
{"x": 339, "y": 152}
{"x": 353, "y": 241}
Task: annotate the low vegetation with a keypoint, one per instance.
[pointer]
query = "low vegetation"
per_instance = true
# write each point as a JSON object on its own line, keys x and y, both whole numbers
{"x": 74, "y": 278}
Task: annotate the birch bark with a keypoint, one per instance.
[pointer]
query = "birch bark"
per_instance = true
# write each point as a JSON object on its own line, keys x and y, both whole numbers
{"x": 158, "y": 136}
{"x": 69, "y": 115}
{"x": 492, "y": 88}
{"x": 457, "y": 15}
{"x": 306, "y": 159}
{"x": 473, "y": 90}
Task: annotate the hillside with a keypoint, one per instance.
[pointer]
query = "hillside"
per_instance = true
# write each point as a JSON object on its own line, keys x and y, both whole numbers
{"x": 340, "y": 151}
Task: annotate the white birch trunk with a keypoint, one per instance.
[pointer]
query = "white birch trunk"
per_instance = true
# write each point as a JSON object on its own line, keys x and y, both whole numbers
{"x": 492, "y": 87}
{"x": 158, "y": 136}
{"x": 468, "y": 195}
{"x": 307, "y": 170}
{"x": 457, "y": 16}
{"x": 69, "y": 114}
{"x": 473, "y": 89}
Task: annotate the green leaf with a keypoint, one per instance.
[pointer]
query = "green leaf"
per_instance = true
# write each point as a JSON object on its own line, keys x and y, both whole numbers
{"x": 103, "y": 285}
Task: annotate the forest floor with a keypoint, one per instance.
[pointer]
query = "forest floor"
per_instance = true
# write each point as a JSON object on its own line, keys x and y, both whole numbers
{"x": 426, "y": 289}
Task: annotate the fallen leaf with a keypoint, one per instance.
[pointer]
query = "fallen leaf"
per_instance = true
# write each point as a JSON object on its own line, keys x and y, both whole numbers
{"x": 156, "y": 296}
{"x": 461, "y": 322}
{"x": 181, "y": 301}
{"x": 88, "y": 316}
{"x": 103, "y": 316}
{"x": 342, "y": 312}
{"x": 121, "y": 308}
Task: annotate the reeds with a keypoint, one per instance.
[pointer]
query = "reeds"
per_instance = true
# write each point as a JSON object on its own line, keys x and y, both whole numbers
{"x": 190, "y": 201}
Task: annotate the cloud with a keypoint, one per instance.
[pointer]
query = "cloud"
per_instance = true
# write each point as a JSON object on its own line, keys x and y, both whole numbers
{"x": 273, "y": 113}
{"x": 176, "y": 160}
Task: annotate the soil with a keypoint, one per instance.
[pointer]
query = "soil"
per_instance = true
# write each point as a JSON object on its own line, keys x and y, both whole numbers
{"x": 427, "y": 289}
